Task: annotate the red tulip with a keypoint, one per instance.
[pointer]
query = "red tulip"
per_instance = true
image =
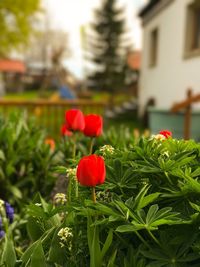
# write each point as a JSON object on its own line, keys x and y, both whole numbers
{"x": 65, "y": 131}
{"x": 166, "y": 133}
{"x": 93, "y": 125}
{"x": 91, "y": 170}
{"x": 75, "y": 120}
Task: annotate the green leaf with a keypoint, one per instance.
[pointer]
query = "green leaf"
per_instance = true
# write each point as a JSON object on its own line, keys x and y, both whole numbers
{"x": 38, "y": 257}
{"x": 60, "y": 169}
{"x": 112, "y": 259}
{"x": 57, "y": 254}
{"x": 15, "y": 191}
{"x": 147, "y": 200}
{"x": 151, "y": 213}
{"x": 2, "y": 155}
{"x": 107, "y": 243}
{"x": 129, "y": 228}
{"x": 27, "y": 254}
{"x": 34, "y": 228}
{"x": 195, "y": 206}
{"x": 8, "y": 255}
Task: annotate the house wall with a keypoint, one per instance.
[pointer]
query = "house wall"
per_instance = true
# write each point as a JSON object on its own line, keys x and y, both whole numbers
{"x": 168, "y": 81}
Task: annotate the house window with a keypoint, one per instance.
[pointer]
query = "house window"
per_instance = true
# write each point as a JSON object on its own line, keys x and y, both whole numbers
{"x": 193, "y": 29}
{"x": 153, "y": 53}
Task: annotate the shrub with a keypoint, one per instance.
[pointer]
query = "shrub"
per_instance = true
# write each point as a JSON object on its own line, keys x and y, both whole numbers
{"x": 26, "y": 162}
{"x": 147, "y": 213}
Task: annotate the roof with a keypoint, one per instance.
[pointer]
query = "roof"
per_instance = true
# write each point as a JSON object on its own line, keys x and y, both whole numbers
{"x": 148, "y": 7}
{"x": 9, "y": 65}
{"x": 134, "y": 60}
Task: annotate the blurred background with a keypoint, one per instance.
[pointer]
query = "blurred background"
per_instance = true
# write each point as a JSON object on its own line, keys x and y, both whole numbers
{"x": 129, "y": 60}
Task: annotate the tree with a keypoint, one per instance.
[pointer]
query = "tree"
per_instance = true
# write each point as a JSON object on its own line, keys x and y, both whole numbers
{"x": 108, "y": 46}
{"x": 16, "y": 23}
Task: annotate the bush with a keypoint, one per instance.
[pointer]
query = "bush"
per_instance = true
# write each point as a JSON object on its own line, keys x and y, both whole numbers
{"x": 147, "y": 213}
{"x": 26, "y": 162}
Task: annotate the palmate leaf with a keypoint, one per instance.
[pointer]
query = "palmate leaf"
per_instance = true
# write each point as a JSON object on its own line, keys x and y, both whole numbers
{"x": 174, "y": 249}
{"x": 163, "y": 257}
{"x": 151, "y": 220}
{"x": 121, "y": 176}
{"x": 141, "y": 200}
{"x": 195, "y": 206}
{"x": 190, "y": 184}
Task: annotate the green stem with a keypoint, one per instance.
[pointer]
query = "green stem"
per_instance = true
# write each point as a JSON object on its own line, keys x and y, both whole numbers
{"x": 76, "y": 188}
{"x": 74, "y": 146}
{"x": 153, "y": 237}
{"x": 167, "y": 176}
{"x": 93, "y": 194}
{"x": 69, "y": 189}
{"x": 142, "y": 239}
{"x": 5, "y": 221}
{"x": 91, "y": 145}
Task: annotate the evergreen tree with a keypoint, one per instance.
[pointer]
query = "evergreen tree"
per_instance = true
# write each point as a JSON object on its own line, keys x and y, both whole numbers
{"x": 107, "y": 48}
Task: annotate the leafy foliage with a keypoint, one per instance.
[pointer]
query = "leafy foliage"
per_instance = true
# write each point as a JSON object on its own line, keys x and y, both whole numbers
{"x": 26, "y": 162}
{"x": 147, "y": 212}
{"x": 16, "y": 20}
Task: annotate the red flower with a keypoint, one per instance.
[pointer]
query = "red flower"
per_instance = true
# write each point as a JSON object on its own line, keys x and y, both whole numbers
{"x": 75, "y": 120}
{"x": 65, "y": 131}
{"x": 166, "y": 133}
{"x": 91, "y": 170}
{"x": 93, "y": 125}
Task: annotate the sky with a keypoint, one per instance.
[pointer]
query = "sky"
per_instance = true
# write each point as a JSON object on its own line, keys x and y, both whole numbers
{"x": 70, "y": 15}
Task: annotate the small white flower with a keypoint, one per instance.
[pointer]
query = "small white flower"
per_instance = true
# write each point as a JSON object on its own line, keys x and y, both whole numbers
{"x": 60, "y": 198}
{"x": 71, "y": 172}
{"x": 158, "y": 137}
{"x": 2, "y": 207}
{"x": 166, "y": 154}
{"x": 65, "y": 235}
{"x": 107, "y": 150}
{"x": 38, "y": 204}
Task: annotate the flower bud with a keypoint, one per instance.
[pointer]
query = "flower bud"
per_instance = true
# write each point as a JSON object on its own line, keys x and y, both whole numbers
{"x": 91, "y": 171}
{"x": 93, "y": 125}
{"x": 75, "y": 120}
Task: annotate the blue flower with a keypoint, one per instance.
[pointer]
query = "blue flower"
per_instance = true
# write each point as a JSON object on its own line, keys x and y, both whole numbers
{"x": 9, "y": 212}
{"x": 2, "y": 233}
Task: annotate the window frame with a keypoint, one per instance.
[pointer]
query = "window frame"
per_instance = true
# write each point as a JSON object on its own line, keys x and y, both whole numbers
{"x": 192, "y": 16}
{"x": 153, "y": 47}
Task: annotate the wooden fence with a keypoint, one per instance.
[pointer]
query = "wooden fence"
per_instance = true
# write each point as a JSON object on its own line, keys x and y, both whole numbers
{"x": 50, "y": 114}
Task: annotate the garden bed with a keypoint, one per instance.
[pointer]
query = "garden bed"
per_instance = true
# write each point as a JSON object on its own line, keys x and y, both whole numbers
{"x": 133, "y": 202}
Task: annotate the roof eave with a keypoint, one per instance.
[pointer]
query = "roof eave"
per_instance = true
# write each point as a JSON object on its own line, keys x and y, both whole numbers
{"x": 147, "y": 8}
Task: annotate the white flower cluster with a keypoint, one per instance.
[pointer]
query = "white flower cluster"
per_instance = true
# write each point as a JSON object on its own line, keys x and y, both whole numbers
{"x": 71, "y": 172}
{"x": 65, "y": 235}
{"x": 1, "y": 205}
{"x": 107, "y": 150}
{"x": 38, "y": 204}
{"x": 60, "y": 198}
{"x": 159, "y": 137}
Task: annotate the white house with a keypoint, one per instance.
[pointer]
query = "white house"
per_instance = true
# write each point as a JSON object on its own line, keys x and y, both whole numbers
{"x": 171, "y": 51}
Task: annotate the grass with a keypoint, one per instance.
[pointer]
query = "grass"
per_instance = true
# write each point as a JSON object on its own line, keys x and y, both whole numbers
{"x": 29, "y": 95}
{"x": 118, "y": 98}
